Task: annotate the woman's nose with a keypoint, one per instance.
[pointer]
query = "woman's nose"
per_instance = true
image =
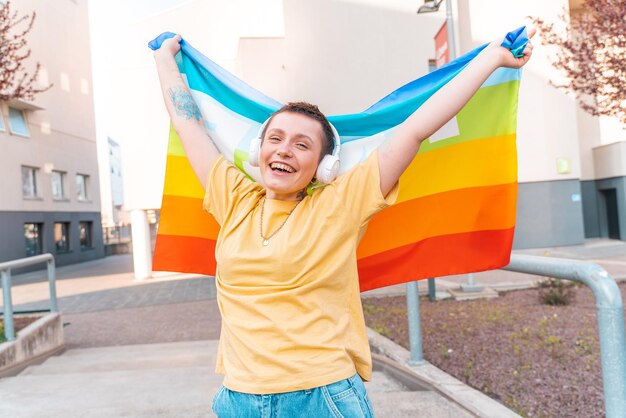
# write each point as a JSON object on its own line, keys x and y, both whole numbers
{"x": 284, "y": 149}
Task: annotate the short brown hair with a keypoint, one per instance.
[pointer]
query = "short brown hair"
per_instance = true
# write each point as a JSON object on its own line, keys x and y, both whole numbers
{"x": 312, "y": 111}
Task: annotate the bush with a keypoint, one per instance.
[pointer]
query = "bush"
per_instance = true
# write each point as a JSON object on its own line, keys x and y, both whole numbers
{"x": 556, "y": 292}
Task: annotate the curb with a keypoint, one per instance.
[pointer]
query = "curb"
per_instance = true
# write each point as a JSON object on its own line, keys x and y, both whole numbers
{"x": 472, "y": 400}
{"x": 37, "y": 341}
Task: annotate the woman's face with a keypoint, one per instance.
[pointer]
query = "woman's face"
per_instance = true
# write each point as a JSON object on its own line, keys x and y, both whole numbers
{"x": 290, "y": 153}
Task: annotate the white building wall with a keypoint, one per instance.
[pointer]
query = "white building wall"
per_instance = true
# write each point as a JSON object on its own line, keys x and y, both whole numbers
{"x": 130, "y": 105}
{"x": 339, "y": 54}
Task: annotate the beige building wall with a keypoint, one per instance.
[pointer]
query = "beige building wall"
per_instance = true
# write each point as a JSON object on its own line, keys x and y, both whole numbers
{"x": 62, "y": 132}
{"x": 62, "y": 137}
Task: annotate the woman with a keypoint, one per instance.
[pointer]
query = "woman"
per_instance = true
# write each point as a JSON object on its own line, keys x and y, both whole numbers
{"x": 293, "y": 339}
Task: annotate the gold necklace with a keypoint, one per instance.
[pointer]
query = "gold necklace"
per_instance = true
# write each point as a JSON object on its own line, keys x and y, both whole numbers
{"x": 266, "y": 240}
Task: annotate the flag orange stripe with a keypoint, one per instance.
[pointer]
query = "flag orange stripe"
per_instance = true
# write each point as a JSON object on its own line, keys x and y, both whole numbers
{"x": 477, "y": 163}
{"x": 436, "y": 257}
{"x": 456, "y": 211}
{"x": 184, "y": 254}
{"x": 185, "y": 217}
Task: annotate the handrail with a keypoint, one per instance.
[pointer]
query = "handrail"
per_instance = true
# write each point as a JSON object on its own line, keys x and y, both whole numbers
{"x": 610, "y": 312}
{"x": 5, "y": 272}
{"x": 609, "y": 308}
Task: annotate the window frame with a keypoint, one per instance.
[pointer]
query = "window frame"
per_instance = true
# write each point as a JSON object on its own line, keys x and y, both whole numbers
{"x": 63, "y": 177}
{"x": 89, "y": 235}
{"x": 85, "y": 184}
{"x": 22, "y": 112}
{"x": 35, "y": 175}
{"x": 65, "y": 227}
{"x": 38, "y": 238}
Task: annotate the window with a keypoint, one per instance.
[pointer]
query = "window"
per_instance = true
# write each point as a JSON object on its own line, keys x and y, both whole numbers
{"x": 432, "y": 65}
{"x": 81, "y": 186}
{"x": 61, "y": 237}
{"x": 32, "y": 234}
{"x": 29, "y": 181}
{"x": 17, "y": 122}
{"x": 84, "y": 231}
{"x": 58, "y": 185}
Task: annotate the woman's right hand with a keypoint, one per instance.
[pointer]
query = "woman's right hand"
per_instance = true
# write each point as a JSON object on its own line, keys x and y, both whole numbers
{"x": 170, "y": 46}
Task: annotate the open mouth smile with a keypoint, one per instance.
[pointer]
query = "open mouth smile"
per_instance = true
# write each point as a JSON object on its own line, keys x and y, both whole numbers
{"x": 283, "y": 168}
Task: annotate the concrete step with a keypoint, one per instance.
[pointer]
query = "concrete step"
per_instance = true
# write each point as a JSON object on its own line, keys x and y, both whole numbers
{"x": 163, "y": 380}
{"x": 415, "y": 404}
{"x": 381, "y": 382}
{"x": 135, "y": 393}
{"x": 135, "y": 357}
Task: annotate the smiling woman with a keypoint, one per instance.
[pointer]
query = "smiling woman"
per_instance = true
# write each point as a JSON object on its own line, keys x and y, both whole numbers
{"x": 293, "y": 335}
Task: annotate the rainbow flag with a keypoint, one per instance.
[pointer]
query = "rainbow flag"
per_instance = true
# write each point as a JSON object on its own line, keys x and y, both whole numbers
{"x": 455, "y": 212}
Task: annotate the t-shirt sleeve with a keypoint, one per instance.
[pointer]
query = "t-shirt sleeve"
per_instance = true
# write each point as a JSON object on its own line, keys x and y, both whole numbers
{"x": 360, "y": 191}
{"x": 225, "y": 185}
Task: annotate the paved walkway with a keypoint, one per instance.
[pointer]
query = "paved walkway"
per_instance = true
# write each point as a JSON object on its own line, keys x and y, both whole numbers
{"x": 104, "y": 306}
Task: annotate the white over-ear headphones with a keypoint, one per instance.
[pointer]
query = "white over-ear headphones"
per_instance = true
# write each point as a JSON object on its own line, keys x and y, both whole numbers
{"x": 327, "y": 169}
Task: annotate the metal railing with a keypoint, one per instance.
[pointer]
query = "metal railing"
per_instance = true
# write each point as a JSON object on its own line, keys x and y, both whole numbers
{"x": 5, "y": 272}
{"x": 609, "y": 308}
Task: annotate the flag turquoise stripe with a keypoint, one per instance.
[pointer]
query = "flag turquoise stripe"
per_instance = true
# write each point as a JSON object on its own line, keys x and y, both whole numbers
{"x": 205, "y": 76}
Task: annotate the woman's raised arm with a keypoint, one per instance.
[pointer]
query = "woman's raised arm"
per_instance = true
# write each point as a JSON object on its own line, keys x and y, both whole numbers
{"x": 395, "y": 155}
{"x": 184, "y": 112}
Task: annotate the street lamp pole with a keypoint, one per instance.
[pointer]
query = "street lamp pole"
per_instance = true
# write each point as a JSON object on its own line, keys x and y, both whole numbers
{"x": 433, "y": 6}
{"x": 450, "y": 24}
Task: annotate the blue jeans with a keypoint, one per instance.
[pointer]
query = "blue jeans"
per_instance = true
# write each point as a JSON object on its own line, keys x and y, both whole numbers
{"x": 346, "y": 398}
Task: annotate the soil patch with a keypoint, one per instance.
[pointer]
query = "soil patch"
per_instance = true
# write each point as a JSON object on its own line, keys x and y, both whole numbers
{"x": 19, "y": 323}
{"x": 539, "y": 360}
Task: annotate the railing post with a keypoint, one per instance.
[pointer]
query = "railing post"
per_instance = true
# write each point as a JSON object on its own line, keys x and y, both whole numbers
{"x": 612, "y": 347}
{"x": 432, "y": 290}
{"x": 415, "y": 330}
{"x": 52, "y": 283}
{"x": 9, "y": 331}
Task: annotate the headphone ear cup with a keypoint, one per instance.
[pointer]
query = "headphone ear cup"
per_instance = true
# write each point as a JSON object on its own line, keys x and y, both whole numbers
{"x": 328, "y": 169}
{"x": 254, "y": 152}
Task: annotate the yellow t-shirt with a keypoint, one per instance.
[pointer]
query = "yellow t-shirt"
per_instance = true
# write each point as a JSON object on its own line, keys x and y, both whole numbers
{"x": 291, "y": 310}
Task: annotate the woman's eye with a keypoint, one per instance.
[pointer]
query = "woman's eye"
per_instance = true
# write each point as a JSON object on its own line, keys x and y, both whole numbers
{"x": 302, "y": 146}
{"x": 274, "y": 138}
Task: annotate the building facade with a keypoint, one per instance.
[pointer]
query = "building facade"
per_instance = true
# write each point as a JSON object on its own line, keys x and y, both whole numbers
{"x": 50, "y": 197}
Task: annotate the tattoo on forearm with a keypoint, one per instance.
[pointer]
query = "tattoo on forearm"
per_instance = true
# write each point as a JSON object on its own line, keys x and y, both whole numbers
{"x": 184, "y": 104}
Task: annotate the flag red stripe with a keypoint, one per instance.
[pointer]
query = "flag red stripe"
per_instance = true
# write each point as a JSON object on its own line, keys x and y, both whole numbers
{"x": 184, "y": 254}
{"x": 436, "y": 257}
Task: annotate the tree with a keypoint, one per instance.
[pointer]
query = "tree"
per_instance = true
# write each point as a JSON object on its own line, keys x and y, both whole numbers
{"x": 15, "y": 82}
{"x": 591, "y": 56}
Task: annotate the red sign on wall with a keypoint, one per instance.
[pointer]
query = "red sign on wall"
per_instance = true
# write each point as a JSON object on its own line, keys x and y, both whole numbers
{"x": 442, "y": 53}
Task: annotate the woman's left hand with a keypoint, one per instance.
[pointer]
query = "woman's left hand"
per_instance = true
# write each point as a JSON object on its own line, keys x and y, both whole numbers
{"x": 507, "y": 59}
